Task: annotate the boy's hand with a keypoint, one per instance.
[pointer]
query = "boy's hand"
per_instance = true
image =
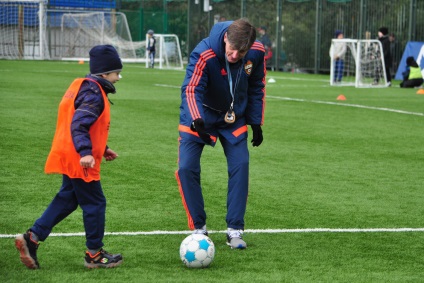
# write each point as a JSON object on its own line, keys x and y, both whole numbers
{"x": 87, "y": 161}
{"x": 110, "y": 155}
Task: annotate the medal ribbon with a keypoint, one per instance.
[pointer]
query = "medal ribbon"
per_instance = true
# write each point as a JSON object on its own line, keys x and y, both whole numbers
{"x": 230, "y": 80}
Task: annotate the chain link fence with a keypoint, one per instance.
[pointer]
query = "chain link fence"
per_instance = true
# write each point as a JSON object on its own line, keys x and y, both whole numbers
{"x": 301, "y": 30}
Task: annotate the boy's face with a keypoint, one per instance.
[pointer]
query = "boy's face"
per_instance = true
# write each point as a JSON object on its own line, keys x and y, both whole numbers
{"x": 112, "y": 77}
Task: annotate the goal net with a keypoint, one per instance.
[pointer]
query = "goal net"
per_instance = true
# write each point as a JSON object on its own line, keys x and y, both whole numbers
{"x": 23, "y": 29}
{"x": 362, "y": 64}
{"x": 168, "y": 52}
{"x": 30, "y": 31}
{"x": 81, "y": 31}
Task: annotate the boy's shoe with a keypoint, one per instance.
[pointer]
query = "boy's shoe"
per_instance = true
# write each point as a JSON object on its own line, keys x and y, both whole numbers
{"x": 27, "y": 248}
{"x": 235, "y": 239}
{"x": 102, "y": 259}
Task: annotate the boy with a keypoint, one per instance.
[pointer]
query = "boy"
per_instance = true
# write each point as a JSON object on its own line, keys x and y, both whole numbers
{"x": 77, "y": 150}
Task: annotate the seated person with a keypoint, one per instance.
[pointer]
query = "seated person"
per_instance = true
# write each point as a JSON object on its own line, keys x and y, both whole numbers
{"x": 412, "y": 77}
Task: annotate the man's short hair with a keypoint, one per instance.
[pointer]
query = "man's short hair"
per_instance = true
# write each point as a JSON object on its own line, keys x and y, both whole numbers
{"x": 241, "y": 35}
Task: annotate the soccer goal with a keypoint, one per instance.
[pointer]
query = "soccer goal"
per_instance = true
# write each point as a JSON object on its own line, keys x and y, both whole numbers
{"x": 168, "y": 52}
{"x": 361, "y": 66}
{"x": 23, "y": 29}
{"x": 80, "y": 31}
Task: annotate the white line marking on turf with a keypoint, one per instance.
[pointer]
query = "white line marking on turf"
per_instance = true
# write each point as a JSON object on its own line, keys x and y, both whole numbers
{"x": 348, "y": 105}
{"x": 171, "y": 86}
{"x": 329, "y": 103}
{"x": 253, "y": 231}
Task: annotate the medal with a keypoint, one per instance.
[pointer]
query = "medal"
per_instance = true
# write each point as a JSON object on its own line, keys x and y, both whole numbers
{"x": 230, "y": 117}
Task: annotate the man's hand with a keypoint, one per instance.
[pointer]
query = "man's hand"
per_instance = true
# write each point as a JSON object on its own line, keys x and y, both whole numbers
{"x": 110, "y": 155}
{"x": 198, "y": 126}
{"x": 257, "y": 135}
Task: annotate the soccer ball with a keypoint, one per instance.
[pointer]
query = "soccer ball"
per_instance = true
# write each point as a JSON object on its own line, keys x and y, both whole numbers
{"x": 197, "y": 251}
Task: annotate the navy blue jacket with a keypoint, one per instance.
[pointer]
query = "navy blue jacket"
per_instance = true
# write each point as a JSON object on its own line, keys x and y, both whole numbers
{"x": 88, "y": 107}
{"x": 206, "y": 86}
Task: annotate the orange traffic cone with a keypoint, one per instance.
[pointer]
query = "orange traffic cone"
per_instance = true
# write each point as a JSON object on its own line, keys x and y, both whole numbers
{"x": 420, "y": 91}
{"x": 341, "y": 97}
{"x": 81, "y": 62}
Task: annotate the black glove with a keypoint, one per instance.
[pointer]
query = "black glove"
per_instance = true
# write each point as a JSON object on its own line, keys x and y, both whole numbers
{"x": 198, "y": 126}
{"x": 257, "y": 135}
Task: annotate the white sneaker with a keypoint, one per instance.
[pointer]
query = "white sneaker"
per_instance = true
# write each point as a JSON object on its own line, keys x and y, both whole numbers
{"x": 201, "y": 231}
{"x": 235, "y": 239}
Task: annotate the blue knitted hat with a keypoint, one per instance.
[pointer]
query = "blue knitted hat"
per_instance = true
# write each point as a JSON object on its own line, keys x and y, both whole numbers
{"x": 104, "y": 59}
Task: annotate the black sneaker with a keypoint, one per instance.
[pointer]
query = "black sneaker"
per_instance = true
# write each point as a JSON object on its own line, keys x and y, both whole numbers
{"x": 27, "y": 247}
{"x": 102, "y": 259}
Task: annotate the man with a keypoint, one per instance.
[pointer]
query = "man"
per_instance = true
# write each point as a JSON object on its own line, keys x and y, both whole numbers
{"x": 78, "y": 147}
{"x": 223, "y": 92}
{"x": 337, "y": 52}
{"x": 266, "y": 41}
{"x": 383, "y": 37}
{"x": 151, "y": 47}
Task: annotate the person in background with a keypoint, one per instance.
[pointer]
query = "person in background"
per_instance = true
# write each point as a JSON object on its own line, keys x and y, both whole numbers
{"x": 151, "y": 47}
{"x": 395, "y": 52}
{"x": 266, "y": 41}
{"x": 383, "y": 37}
{"x": 338, "y": 52}
{"x": 412, "y": 77}
{"x": 79, "y": 145}
{"x": 223, "y": 92}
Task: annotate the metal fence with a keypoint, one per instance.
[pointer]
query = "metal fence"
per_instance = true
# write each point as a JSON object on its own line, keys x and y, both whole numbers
{"x": 301, "y": 30}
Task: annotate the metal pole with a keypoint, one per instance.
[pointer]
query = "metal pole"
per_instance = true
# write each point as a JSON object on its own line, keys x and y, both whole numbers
{"x": 317, "y": 36}
{"x": 412, "y": 20}
{"x": 278, "y": 34}
{"x": 243, "y": 8}
{"x": 41, "y": 25}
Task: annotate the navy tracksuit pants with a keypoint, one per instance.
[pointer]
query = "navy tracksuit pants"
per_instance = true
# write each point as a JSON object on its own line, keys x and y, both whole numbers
{"x": 188, "y": 175}
{"x": 74, "y": 192}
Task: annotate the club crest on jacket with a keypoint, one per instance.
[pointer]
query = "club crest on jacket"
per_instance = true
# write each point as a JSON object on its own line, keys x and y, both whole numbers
{"x": 248, "y": 67}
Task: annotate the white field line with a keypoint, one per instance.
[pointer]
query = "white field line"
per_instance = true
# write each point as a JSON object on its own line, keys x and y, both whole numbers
{"x": 253, "y": 231}
{"x": 328, "y": 103}
{"x": 171, "y": 86}
{"x": 347, "y": 105}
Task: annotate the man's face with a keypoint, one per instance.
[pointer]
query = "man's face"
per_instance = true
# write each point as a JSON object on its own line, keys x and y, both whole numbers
{"x": 233, "y": 55}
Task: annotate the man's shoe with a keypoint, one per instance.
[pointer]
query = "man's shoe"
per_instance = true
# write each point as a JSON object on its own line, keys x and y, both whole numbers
{"x": 235, "y": 239}
{"x": 102, "y": 259}
{"x": 200, "y": 231}
{"x": 27, "y": 248}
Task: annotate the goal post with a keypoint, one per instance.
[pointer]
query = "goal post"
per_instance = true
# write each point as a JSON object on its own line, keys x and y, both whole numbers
{"x": 168, "y": 52}
{"x": 23, "y": 25}
{"x": 370, "y": 69}
{"x": 79, "y": 31}
{"x": 31, "y": 31}
{"x": 361, "y": 65}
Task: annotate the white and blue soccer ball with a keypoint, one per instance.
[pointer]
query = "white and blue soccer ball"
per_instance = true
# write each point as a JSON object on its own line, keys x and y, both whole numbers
{"x": 197, "y": 251}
